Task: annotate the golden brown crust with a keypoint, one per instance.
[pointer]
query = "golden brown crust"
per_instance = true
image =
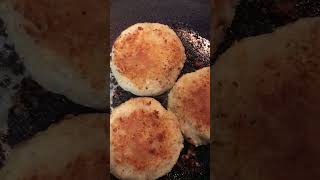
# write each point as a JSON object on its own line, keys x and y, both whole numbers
{"x": 74, "y": 29}
{"x": 146, "y": 134}
{"x": 145, "y": 140}
{"x": 189, "y": 99}
{"x": 149, "y": 51}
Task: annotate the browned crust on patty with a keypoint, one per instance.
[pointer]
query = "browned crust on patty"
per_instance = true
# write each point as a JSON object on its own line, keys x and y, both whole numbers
{"x": 141, "y": 139}
{"x": 192, "y": 99}
{"x": 148, "y": 52}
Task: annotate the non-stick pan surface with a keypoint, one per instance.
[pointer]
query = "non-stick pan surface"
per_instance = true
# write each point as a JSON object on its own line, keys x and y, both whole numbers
{"x": 194, "y": 13}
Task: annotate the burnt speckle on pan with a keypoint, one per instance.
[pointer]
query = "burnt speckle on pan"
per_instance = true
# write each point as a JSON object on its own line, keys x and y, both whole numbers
{"x": 193, "y": 163}
{"x": 197, "y": 48}
{"x": 257, "y": 17}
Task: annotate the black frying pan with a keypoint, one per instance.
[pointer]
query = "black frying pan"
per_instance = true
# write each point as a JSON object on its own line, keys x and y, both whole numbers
{"x": 194, "y": 13}
{"x": 188, "y": 18}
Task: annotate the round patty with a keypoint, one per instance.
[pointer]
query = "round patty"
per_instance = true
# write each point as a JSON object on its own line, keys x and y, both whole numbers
{"x": 74, "y": 148}
{"x": 189, "y": 100}
{"x": 145, "y": 140}
{"x": 147, "y": 58}
{"x": 266, "y": 105}
{"x": 62, "y": 44}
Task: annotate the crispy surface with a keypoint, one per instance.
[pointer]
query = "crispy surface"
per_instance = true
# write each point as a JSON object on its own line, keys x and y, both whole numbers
{"x": 145, "y": 132}
{"x": 145, "y": 139}
{"x": 72, "y": 149}
{"x": 267, "y": 106}
{"x": 149, "y": 56}
{"x": 189, "y": 99}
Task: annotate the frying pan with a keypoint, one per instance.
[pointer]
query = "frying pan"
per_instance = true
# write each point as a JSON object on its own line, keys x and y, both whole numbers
{"x": 34, "y": 109}
{"x": 190, "y": 20}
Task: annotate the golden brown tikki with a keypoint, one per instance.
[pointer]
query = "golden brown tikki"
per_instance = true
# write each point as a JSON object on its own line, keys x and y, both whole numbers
{"x": 145, "y": 140}
{"x": 189, "y": 100}
{"x": 147, "y": 59}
